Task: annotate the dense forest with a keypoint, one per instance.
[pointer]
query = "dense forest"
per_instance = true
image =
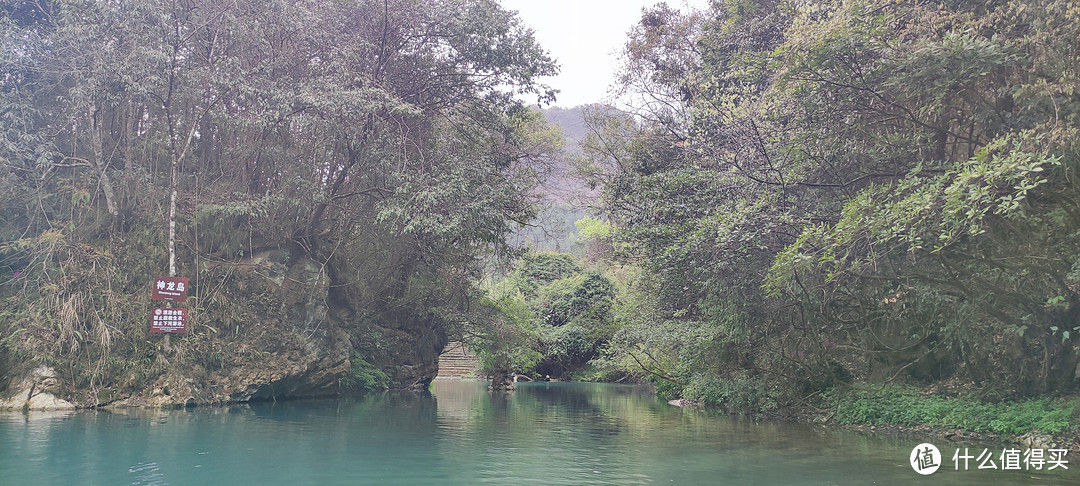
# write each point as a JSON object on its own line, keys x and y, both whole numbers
{"x": 328, "y": 175}
{"x": 799, "y": 196}
{"x": 825, "y": 192}
{"x": 789, "y": 197}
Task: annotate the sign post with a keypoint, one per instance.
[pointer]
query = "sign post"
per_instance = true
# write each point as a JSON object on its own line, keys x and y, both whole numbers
{"x": 172, "y": 289}
{"x": 169, "y": 320}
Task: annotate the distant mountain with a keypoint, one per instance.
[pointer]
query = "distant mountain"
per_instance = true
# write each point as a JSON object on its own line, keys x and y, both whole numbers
{"x": 563, "y": 185}
{"x": 571, "y": 120}
{"x": 564, "y": 196}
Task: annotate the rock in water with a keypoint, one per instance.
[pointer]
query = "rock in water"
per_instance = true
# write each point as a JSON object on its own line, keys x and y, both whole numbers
{"x": 34, "y": 392}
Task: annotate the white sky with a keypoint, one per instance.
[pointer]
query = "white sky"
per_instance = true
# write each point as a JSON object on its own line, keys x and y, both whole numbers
{"x": 585, "y": 36}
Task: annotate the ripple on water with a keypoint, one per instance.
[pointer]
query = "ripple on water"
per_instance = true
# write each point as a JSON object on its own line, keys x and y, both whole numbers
{"x": 148, "y": 474}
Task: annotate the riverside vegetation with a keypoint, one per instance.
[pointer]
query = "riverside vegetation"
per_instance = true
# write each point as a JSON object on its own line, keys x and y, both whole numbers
{"x": 339, "y": 170}
{"x": 804, "y": 205}
{"x": 821, "y": 196}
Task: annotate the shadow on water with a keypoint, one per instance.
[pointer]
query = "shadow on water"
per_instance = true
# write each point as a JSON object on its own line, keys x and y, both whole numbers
{"x": 542, "y": 433}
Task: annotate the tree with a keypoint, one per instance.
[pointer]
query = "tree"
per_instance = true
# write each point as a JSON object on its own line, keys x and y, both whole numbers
{"x": 377, "y": 144}
{"x": 552, "y": 317}
{"x": 853, "y": 190}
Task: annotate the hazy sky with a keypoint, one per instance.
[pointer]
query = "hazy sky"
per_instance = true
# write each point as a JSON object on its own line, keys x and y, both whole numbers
{"x": 586, "y": 37}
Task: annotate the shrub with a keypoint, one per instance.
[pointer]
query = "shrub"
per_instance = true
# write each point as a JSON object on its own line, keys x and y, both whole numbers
{"x": 364, "y": 377}
{"x": 900, "y": 405}
{"x": 734, "y": 395}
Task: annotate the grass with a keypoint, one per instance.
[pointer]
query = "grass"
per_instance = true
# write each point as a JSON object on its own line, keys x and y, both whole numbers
{"x": 900, "y": 405}
{"x": 364, "y": 377}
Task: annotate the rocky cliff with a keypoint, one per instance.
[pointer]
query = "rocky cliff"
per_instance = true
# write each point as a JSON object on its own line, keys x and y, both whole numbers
{"x": 271, "y": 326}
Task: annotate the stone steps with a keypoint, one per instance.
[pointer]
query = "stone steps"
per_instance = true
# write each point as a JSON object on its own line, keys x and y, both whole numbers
{"x": 457, "y": 361}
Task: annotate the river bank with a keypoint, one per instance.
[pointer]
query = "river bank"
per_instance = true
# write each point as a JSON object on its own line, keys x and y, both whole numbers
{"x": 1034, "y": 423}
{"x": 926, "y": 413}
{"x": 893, "y": 410}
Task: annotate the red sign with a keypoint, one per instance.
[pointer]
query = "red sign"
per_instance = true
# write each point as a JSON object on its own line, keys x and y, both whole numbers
{"x": 168, "y": 320}
{"x": 170, "y": 288}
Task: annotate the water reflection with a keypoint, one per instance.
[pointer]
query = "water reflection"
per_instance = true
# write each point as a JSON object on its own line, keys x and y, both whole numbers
{"x": 558, "y": 433}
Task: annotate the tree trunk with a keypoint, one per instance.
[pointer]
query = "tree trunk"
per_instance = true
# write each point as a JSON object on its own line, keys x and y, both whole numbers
{"x": 101, "y": 165}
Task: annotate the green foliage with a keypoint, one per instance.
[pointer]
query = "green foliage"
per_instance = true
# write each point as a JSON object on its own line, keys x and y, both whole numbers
{"x": 550, "y": 317}
{"x": 583, "y": 297}
{"x": 848, "y": 191}
{"x": 899, "y": 405}
{"x": 595, "y": 234}
{"x": 684, "y": 357}
{"x": 364, "y": 158}
{"x": 507, "y": 339}
{"x": 363, "y": 377}
{"x": 590, "y": 227}
{"x": 569, "y": 345}
{"x": 538, "y": 269}
{"x": 921, "y": 213}
{"x": 735, "y": 395}
{"x": 665, "y": 389}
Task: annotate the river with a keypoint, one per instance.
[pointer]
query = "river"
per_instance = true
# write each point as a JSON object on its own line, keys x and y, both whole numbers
{"x": 542, "y": 433}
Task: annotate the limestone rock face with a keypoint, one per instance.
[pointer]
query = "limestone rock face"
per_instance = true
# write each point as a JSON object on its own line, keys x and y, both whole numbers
{"x": 273, "y": 342}
{"x": 405, "y": 350}
{"x": 311, "y": 378}
{"x": 304, "y": 377}
{"x": 36, "y": 392}
{"x": 48, "y": 401}
{"x": 275, "y": 325}
{"x": 17, "y": 401}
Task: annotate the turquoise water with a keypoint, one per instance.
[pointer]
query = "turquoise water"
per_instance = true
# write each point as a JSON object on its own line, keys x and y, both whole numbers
{"x": 557, "y": 433}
